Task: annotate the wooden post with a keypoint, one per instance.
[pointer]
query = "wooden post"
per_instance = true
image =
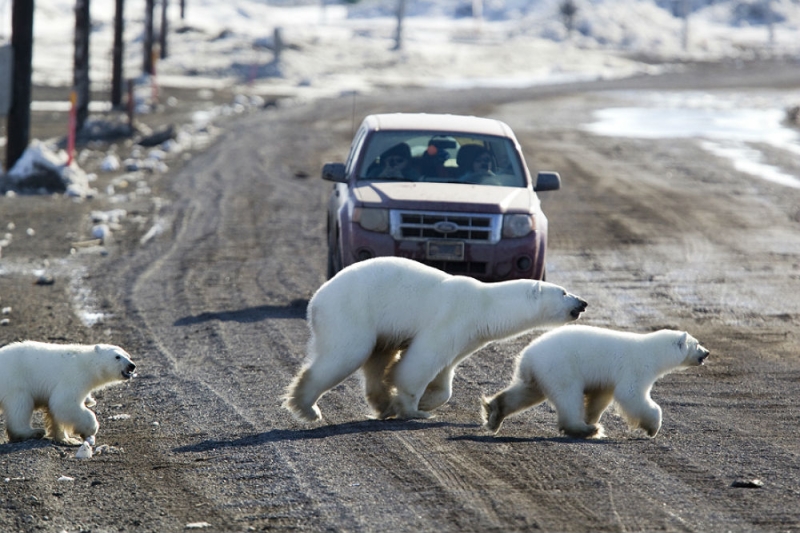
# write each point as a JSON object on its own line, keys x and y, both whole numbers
{"x": 83, "y": 28}
{"x": 147, "y": 67}
{"x": 398, "y": 35}
{"x": 164, "y": 29}
{"x": 685, "y": 8}
{"x": 131, "y": 106}
{"x": 277, "y": 43}
{"x": 19, "y": 115}
{"x": 116, "y": 69}
{"x": 770, "y": 23}
{"x": 154, "y": 81}
{"x": 72, "y": 126}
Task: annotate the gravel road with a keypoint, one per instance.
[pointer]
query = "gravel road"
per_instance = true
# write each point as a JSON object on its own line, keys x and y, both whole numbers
{"x": 652, "y": 232}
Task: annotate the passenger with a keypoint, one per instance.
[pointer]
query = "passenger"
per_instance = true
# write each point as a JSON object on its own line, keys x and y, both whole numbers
{"x": 476, "y": 165}
{"x": 395, "y": 163}
{"x": 432, "y": 161}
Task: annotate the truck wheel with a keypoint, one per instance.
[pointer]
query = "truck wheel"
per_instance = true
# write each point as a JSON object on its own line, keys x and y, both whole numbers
{"x": 334, "y": 259}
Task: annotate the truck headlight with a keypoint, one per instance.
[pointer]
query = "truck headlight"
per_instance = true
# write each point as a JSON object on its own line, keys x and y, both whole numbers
{"x": 518, "y": 225}
{"x": 372, "y": 219}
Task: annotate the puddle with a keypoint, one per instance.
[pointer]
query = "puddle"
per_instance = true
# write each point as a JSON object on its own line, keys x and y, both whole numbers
{"x": 728, "y": 126}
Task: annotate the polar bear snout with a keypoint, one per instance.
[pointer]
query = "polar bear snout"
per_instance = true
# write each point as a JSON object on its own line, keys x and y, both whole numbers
{"x": 127, "y": 366}
{"x": 128, "y": 371}
{"x": 702, "y": 355}
{"x": 579, "y": 308}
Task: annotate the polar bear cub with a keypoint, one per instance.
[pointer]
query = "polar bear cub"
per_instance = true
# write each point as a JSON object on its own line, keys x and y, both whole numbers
{"x": 580, "y": 370}
{"x": 407, "y": 326}
{"x": 58, "y": 378}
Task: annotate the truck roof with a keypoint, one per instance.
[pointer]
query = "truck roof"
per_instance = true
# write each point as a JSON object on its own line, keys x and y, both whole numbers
{"x": 438, "y": 122}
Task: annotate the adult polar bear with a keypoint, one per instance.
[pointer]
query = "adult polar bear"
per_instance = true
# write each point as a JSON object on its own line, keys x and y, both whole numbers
{"x": 582, "y": 369}
{"x": 58, "y": 378}
{"x": 408, "y": 326}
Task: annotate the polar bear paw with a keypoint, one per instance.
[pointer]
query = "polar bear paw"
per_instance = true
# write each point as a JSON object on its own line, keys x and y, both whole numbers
{"x": 67, "y": 441}
{"x": 584, "y": 431}
{"x": 394, "y": 411}
{"x": 302, "y": 412}
{"x": 490, "y": 411}
{"x": 410, "y": 415}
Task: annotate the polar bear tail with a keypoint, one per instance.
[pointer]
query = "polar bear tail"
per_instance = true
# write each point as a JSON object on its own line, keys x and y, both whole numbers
{"x": 297, "y": 401}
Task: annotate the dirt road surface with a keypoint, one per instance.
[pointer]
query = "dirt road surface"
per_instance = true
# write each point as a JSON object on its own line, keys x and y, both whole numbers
{"x": 653, "y": 233}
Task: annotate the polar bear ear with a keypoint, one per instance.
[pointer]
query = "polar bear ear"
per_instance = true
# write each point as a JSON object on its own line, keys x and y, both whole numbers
{"x": 98, "y": 348}
{"x": 535, "y": 291}
{"x": 683, "y": 341}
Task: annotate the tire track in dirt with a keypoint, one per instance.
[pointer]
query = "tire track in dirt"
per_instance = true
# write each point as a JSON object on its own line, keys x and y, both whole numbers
{"x": 634, "y": 244}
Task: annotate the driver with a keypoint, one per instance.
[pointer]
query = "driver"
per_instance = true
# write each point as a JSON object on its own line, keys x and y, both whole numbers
{"x": 477, "y": 164}
{"x": 395, "y": 163}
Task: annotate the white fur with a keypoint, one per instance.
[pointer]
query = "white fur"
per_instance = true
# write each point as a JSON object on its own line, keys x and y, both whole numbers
{"x": 582, "y": 369}
{"x": 408, "y": 326}
{"x": 59, "y": 379}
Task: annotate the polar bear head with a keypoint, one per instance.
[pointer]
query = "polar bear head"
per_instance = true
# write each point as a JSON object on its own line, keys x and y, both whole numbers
{"x": 554, "y": 304}
{"x": 693, "y": 353}
{"x": 113, "y": 363}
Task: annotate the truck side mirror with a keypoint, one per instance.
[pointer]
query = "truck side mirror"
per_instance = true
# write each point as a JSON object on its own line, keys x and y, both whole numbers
{"x": 547, "y": 181}
{"x": 334, "y": 172}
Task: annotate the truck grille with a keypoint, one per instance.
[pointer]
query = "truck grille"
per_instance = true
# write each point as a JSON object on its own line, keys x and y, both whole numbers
{"x": 463, "y": 268}
{"x": 425, "y": 225}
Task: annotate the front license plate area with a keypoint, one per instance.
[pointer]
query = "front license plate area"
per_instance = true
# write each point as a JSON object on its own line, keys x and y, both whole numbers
{"x": 445, "y": 251}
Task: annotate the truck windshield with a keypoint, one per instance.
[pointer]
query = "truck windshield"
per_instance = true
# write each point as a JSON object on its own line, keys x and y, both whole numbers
{"x": 442, "y": 157}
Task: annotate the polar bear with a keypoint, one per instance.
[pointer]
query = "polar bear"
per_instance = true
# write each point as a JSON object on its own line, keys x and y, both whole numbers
{"x": 582, "y": 369}
{"x": 408, "y": 326}
{"x": 58, "y": 378}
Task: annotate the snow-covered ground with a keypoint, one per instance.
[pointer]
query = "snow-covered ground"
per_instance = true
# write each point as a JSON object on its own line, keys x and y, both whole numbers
{"x": 340, "y": 48}
{"x": 351, "y": 47}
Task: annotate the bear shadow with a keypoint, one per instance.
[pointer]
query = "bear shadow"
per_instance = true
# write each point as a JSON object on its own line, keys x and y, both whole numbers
{"x": 7, "y": 448}
{"x": 295, "y": 309}
{"x": 321, "y": 432}
{"x": 563, "y": 439}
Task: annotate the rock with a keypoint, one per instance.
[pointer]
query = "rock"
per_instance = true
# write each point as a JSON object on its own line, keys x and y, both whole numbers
{"x": 45, "y": 280}
{"x": 748, "y": 484}
{"x": 84, "y": 452}
{"x": 158, "y": 137}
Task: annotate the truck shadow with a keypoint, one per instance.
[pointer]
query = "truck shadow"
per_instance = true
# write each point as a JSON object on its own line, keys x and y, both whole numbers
{"x": 295, "y": 309}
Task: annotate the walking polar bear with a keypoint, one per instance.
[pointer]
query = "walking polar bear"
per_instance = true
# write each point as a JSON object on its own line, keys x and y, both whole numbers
{"x": 408, "y": 326}
{"x": 582, "y": 369}
{"x": 58, "y": 378}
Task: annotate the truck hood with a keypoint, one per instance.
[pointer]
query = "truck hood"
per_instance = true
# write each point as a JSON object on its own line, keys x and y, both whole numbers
{"x": 446, "y": 197}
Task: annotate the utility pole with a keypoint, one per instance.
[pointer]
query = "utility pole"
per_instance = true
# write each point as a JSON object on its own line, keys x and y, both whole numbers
{"x": 398, "y": 35}
{"x": 164, "y": 29}
{"x": 770, "y": 23}
{"x": 83, "y": 27}
{"x": 148, "y": 37}
{"x": 685, "y": 9}
{"x": 19, "y": 115}
{"x": 118, "y": 53}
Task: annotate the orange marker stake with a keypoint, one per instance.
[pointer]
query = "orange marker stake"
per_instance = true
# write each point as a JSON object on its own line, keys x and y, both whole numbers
{"x": 73, "y": 120}
{"x": 153, "y": 81}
